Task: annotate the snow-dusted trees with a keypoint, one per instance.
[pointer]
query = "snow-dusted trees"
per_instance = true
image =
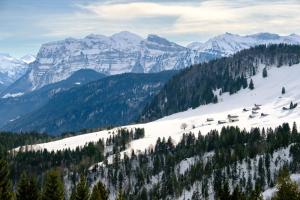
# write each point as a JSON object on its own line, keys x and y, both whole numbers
{"x": 287, "y": 189}
{"x": 283, "y": 90}
{"x": 251, "y": 85}
{"x": 183, "y": 126}
{"x": 264, "y": 72}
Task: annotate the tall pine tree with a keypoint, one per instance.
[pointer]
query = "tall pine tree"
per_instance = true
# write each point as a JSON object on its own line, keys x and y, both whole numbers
{"x": 82, "y": 189}
{"x": 99, "y": 192}
{"x": 53, "y": 187}
{"x": 251, "y": 85}
{"x": 5, "y": 184}
{"x": 287, "y": 189}
{"x": 27, "y": 188}
{"x": 120, "y": 196}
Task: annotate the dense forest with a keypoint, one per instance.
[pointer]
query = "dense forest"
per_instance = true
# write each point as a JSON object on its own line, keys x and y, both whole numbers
{"x": 195, "y": 85}
{"x": 230, "y": 164}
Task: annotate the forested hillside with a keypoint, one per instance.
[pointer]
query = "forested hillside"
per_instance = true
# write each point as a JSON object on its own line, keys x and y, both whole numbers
{"x": 195, "y": 86}
{"x": 114, "y": 100}
{"x": 232, "y": 163}
{"x": 16, "y": 107}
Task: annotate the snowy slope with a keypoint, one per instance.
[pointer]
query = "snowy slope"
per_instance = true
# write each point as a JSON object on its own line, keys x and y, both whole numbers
{"x": 267, "y": 92}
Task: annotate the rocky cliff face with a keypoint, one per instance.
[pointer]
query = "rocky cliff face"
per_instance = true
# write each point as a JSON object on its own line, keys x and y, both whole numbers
{"x": 127, "y": 52}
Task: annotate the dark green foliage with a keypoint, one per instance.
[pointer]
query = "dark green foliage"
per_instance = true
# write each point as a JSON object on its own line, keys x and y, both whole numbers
{"x": 230, "y": 146}
{"x": 82, "y": 189}
{"x": 287, "y": 189}
{"x": 53, "y": 188}
{"x": 120, "y": 196}
{"x": 99, "y": 192}
{"x": 256, "y": 194}
{"x": 114, "y": 100}
{"x": 40, "y": 161}
{"x": 251, "y": 85}
{"x": 27, "y": 188}
{"x": 5, "y": 184}
{"x": 194, "y": 86}
{"x": 9, "y": 140}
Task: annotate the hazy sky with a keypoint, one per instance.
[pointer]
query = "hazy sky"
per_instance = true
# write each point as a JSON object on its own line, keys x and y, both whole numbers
{"x": 26, "y": 24}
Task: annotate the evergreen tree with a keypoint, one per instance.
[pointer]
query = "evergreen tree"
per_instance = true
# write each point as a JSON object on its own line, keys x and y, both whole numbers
{"x": 73, "y": 194}
{"x": 287, "y": 189}
{"x": 251, "y": 85}
{"x": 283, "y": 90}
{"x": 237, "y": 194}
{"x": 120, "y": 196}
{"x": 53, "y": 187}
{"x": 27, "y": 188}
{"x": 265, "y": 73}
{"x": 82, "y": 189}
{"x": 5, "y": 184}
{"x": 144, "y": 194}
{"x": 256, "y": 194}
{"x": 196, "y": 195}
{"x": 224, "y": 194}
{"x": 99, "y": 192}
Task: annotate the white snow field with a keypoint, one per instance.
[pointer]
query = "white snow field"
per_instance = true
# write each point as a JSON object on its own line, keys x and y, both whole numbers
{"x": 267, "y": 93}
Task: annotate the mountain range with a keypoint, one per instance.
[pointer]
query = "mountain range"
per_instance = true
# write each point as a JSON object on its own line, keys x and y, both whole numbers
{"x": 127, "y": 52}
{"x": 12, "y": 68}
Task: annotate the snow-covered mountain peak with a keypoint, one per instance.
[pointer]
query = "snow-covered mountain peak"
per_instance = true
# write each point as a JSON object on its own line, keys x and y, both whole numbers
{"x": 195, "y": 45}
{"x": 265, "y": 36}
{"x": 160, "y": 43}
{"x": 127, "y": 36}
{"x": 159, "y": 40}
{"x": 28, "y": 58}
{"x": 11, "y": 68}
{"x": 227, "y": 44}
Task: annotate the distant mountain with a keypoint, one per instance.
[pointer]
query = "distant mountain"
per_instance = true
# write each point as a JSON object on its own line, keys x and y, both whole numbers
{"x": 120, "y": 53}
{"x": 11, "y": 69}
{"x": 14, "y": 108}
{"x": 228, "y": 44}
{"x": 127, "y": 52}
{"x": 202, "y": 84}
{"x": 113, "y": 100}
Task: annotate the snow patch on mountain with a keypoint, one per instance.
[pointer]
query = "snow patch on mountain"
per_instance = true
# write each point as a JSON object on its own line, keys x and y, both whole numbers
{"x": 28, "y": 58}
{"x": 12, "y": 95}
